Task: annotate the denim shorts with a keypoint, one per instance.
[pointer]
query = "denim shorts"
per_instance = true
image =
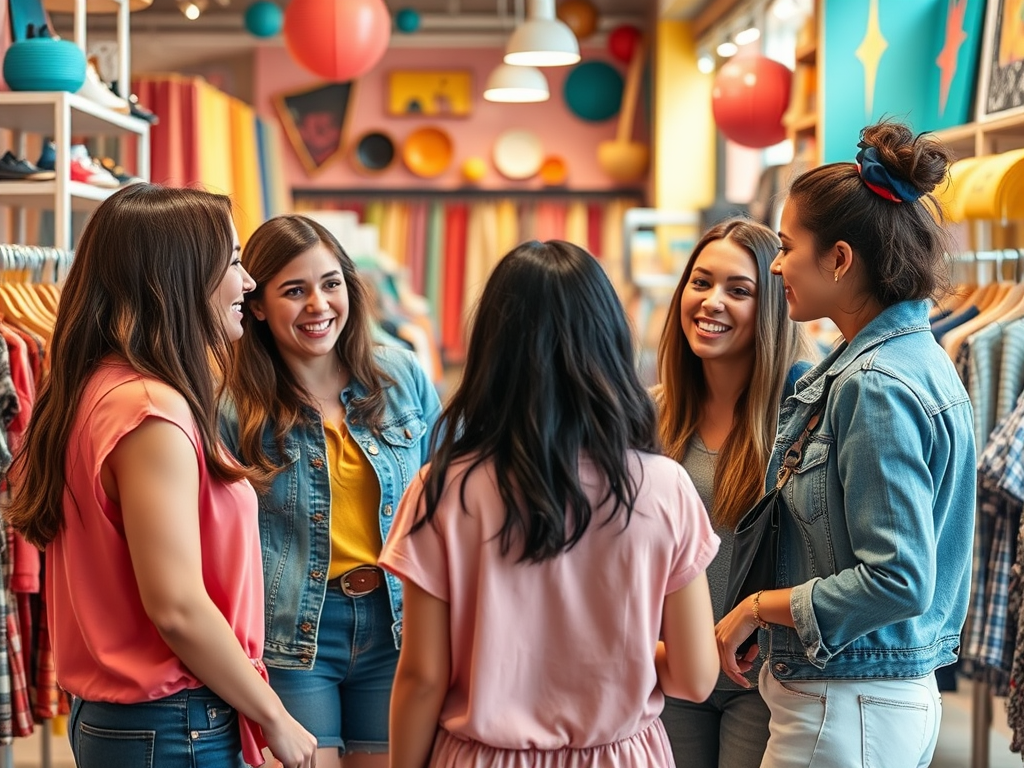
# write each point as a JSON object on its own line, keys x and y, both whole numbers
{"x": 344, "y": 699}
{"x": 189, "y": 729}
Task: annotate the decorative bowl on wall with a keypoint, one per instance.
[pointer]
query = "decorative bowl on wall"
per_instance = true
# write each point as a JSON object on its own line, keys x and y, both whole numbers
{"x": 373, "y": 152}
{"x": 44, "y": 64}
{"x": 554, "y": 171}
{"x": 518, "y": 154}
{"x": 427, "y": 152}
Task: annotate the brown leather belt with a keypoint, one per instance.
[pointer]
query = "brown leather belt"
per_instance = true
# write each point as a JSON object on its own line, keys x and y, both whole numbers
{"x": 359, "y": 581}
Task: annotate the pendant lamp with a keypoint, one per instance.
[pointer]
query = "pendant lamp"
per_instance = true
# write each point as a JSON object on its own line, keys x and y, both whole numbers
{"x": 519, "y": 85}
{"x": 542, "y": 40}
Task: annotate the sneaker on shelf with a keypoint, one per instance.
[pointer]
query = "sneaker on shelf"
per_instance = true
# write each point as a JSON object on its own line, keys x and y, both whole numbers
{"x": 138, "y": 110}
{"x": 96, "y": 90}
{"x": 15, "y": 169}
{"x": 48, "y": 157}
{"x": 118, "y": 172}
{"x": 87, "y": 170}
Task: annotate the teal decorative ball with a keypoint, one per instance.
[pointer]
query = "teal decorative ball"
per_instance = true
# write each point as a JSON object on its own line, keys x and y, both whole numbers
{"x": 593, "y": 91}
{"x": 407, "y": 20}
{"x": 44, "y": 64}
{"x": 264, "y": 18}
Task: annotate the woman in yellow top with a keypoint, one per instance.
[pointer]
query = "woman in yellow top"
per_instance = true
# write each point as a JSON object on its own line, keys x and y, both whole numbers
{"x": 337, "y": 427}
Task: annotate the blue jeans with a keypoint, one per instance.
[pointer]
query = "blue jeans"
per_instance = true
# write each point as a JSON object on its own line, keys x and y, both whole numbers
{"x": 890, "y": 723}
{"x": 729, "y": 730}
{"x": 189, "y": 729}
{"x": 344, "y": 699}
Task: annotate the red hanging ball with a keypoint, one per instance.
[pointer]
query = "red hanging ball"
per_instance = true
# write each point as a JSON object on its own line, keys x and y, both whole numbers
{"x": 339, "y": 40}
{"x": 622, "y": 42}
{"x": 748, "y": 99}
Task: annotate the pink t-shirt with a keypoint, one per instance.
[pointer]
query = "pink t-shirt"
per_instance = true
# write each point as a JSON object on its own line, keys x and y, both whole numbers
{"x": 557, "y": 655}
{"x": 105, "y": 647}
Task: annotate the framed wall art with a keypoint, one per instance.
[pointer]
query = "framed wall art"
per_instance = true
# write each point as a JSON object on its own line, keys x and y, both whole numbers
{"x": 1001, "y": 88}
{"x": 430, "y": 93}
{"x": 315, "y": 120}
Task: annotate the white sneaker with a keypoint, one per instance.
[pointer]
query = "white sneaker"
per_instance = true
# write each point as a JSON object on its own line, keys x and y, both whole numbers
{"x": 96, "y": 90}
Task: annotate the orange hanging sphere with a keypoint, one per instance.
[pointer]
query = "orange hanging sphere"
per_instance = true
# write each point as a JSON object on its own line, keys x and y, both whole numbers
{"x": 337, "y": 39}
{"x": 748, "y": 99}
{"x": 579, "y": 15}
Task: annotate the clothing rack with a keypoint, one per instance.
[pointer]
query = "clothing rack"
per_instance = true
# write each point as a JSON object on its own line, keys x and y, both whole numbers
{"x": 982, "y": 696}
{"x": 33, "y": 264}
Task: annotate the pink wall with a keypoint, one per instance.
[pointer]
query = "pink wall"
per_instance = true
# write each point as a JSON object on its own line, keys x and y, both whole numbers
{"x": 561, "y": 132}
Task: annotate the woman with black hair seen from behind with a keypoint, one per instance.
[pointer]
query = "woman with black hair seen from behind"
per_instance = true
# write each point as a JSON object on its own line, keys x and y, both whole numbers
{"x": 728, "y": 356}
{"x": 547, "y": 546}
{"x": 875, "y": 547}
{"x": 154, "y": 589}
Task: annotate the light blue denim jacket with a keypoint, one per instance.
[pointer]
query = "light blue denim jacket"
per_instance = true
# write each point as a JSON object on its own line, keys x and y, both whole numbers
{"x": 295, "y": 515}
{"x": 878, "y": 539}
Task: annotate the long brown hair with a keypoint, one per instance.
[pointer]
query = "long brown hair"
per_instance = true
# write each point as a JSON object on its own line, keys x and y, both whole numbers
{"x": 140, "y": 287}
{"x": 263, "y": 388}
{"x": 682, "y": 390}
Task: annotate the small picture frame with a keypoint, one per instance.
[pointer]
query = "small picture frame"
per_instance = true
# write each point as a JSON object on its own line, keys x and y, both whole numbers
{"x": 1000, "y": 91}
{"x": 315, "y": 120}
{"x": 430, "y": 93}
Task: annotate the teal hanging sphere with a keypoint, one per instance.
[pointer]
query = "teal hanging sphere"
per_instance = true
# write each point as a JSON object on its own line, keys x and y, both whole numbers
{"x": 44, "y": 64}
{"x": 593, "y": 91}
{"x": 407, "y": 20}
{"x": 264, "y": 18}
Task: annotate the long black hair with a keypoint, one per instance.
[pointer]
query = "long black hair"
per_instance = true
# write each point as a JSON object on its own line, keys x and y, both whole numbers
{"x": 549, "y": 375}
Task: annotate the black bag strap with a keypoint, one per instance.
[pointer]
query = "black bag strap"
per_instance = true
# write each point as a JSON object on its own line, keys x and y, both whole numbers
{"x": 795, "y": 452}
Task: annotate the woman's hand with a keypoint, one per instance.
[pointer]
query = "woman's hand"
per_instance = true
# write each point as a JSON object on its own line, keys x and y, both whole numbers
{"x": 735, "y": 627}
{"x": 290, "y": 743}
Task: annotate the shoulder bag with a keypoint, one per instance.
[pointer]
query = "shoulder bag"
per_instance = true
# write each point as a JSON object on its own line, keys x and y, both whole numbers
{"x": 755, "y": 549}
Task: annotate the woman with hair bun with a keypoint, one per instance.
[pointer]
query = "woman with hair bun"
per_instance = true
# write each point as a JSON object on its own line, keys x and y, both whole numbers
{"x": 875, "y": 546}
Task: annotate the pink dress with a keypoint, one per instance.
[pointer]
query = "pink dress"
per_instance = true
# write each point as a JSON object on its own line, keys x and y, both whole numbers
{"x": 553, "y": 663}
{"x": 105, "y": 647}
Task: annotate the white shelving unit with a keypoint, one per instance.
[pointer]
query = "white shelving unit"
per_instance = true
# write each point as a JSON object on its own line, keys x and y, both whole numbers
{"x": 61, "y": 115}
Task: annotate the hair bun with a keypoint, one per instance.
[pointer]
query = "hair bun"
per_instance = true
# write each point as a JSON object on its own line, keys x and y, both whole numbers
{"x": 921, "y": 160}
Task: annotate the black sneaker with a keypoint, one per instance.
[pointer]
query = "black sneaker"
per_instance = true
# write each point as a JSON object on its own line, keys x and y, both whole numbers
{"x": 138, "y": 110}
{"x": 13, "y": 169}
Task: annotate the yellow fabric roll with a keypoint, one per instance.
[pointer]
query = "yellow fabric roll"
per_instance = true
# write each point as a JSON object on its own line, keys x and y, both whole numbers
{"x": 576, "y": 224}
{"x": 215, "y": 156}
{"x": 481, "y": 254}
{"x": 508, "y": 226}
{"x": 245, "y": 169}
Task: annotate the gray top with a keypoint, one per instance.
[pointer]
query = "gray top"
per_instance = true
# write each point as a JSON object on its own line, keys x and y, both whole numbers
{"x": 699, "y": 463}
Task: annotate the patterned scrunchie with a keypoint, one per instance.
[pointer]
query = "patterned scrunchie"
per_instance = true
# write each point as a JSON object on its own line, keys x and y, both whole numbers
{"x": 879, "y": 180}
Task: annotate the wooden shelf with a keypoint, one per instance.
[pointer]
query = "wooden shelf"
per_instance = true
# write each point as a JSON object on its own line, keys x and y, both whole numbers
{"x": 803, "y": 124}
{"x": 807, "y": 53}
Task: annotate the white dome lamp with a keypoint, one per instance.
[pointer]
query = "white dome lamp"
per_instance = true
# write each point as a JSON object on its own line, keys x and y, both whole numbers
{"x": 542, "y": 40}
{"x": 518, "y": 85}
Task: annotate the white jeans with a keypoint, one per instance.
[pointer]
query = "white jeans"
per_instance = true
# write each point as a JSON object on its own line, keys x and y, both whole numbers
{"x": 851, "y": 723}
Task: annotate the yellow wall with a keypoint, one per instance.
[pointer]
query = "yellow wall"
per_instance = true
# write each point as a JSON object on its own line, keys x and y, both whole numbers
{"x": 684, "y": 130}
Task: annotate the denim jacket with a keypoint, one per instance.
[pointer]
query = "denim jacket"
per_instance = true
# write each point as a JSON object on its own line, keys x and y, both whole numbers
{"x": 295, "y": 515}
{"x": 877, "y": 541}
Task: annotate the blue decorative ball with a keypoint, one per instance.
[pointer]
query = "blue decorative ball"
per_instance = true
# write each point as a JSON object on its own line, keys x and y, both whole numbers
{"x": 44, "y": 64}
{"x": 264, "y": 18}
{"x": 593, "y": 91}
{"x": 407, "y": 20}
